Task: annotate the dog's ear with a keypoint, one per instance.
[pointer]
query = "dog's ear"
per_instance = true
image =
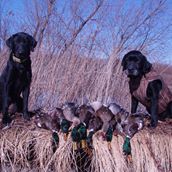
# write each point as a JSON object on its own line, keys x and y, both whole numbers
{"x": 33, "y": 43}
{"x": 123, "y": 63}
{"x": 9, "y": 42}
{"x": 146, "y": 65}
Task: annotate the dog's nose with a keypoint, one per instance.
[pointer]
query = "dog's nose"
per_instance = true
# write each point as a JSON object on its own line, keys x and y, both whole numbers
{"x": 20, "y": 52}
{"x": 131, "y": 68}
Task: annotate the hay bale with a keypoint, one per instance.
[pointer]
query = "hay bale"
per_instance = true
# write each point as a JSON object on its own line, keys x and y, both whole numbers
{"x": 151, "y": 151}
{"x": 63, "y": 157}
{"x": 43, "y": 148}
{"x": 102, "y": 159}
{"x": 14, "y": 146}
{"x": 25, "y": 147}
{"x": 18, "y": 142}
{"x": 61, "y": 160}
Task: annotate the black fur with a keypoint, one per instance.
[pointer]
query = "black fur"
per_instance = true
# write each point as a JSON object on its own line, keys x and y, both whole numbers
{"x": 16, "y": 77}
{"x": 136, "y": 66}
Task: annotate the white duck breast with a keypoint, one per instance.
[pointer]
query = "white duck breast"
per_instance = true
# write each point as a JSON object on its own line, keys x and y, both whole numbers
{"x": 114, "y": 108}
{"x": 96, "y": 105}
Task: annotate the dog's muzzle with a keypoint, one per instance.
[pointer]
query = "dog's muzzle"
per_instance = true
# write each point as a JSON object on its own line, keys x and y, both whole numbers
{"x": 133, "y": 72}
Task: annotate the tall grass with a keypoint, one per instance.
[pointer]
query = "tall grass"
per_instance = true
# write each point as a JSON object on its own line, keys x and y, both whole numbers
{"x": 151, "y": 151}
{"x": 74, "y": 78}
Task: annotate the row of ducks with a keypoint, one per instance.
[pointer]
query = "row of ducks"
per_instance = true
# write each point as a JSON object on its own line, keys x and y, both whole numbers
{"x": 95, "y": 116}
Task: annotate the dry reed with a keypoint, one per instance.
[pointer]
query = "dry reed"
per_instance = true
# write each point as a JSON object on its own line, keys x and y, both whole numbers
{"x": 29, "y": 148}
{"x": 151, "y": 151}
{"x": 73, "y": 78}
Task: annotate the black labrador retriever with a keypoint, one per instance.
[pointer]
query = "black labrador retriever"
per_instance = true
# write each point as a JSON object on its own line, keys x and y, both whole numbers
{"x": 147, "y": 87}
{"x": 16, "y": 77}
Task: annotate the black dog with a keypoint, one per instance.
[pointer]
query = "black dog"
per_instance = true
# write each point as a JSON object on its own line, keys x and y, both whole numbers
{"x": 16, "y": 77}
{"x": 147, "y": 87}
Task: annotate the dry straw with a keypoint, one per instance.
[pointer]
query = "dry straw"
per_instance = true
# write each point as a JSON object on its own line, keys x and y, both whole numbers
{"x": 15, "y": 147}
{"x": 151, "y": 151}
{"x": 31, "y": 148}
{"x": 24, "y": 147}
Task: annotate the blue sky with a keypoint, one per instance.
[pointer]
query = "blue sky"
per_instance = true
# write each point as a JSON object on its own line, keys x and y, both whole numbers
{"x": 16, "y": 8}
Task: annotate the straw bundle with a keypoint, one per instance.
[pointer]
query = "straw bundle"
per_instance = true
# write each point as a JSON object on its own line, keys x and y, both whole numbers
{"x": 14, "y": 147}
{"x": 27, "y": 148}
{"x": 151, "y": 151}
{"x": 63, "y": 158}
{"x": 102, "y": 160}
{"x": 43, "y": 148}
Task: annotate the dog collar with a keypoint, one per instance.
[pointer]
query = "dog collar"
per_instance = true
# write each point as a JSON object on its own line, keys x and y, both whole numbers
{"x": 15, "y": 59}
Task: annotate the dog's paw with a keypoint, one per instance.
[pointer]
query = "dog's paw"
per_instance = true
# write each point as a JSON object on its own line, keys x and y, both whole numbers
{"x": 6, "y": 127}
{"x": 151, "y": 126}
{"x": 6, "y": 120}
{"x": 26, "y": 117}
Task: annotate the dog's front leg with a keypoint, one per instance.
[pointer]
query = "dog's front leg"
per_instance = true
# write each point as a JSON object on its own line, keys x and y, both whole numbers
{"x": 153, "y": 91}
{"x": 134, "y": 104}
{"x": 25, "y": 94}
{"x": 154, "y": 112}
{"x": 5, "y": 103}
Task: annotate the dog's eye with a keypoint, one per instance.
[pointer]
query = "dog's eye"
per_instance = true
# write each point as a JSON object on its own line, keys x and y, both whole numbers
{"x": 17, "y": 40}
{"x": 133, "y": 59}
{"x": 23, "y": 41}
{"x": 20, "y": 41}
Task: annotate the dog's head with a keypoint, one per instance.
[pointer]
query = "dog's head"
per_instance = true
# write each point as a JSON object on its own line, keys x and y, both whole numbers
{"x": 135, "y": 64}
{"x": 21, "y": 44}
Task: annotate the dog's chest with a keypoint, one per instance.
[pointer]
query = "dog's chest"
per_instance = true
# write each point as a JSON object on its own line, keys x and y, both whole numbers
{"x": 20, "y": 79}
{"x": 134, "y": 84}
{"x": 22, "y": 75}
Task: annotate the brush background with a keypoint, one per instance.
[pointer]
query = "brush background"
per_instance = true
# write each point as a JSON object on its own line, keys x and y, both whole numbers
{"x": 81, "y": 44}
{"x": 78, "y": 56}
